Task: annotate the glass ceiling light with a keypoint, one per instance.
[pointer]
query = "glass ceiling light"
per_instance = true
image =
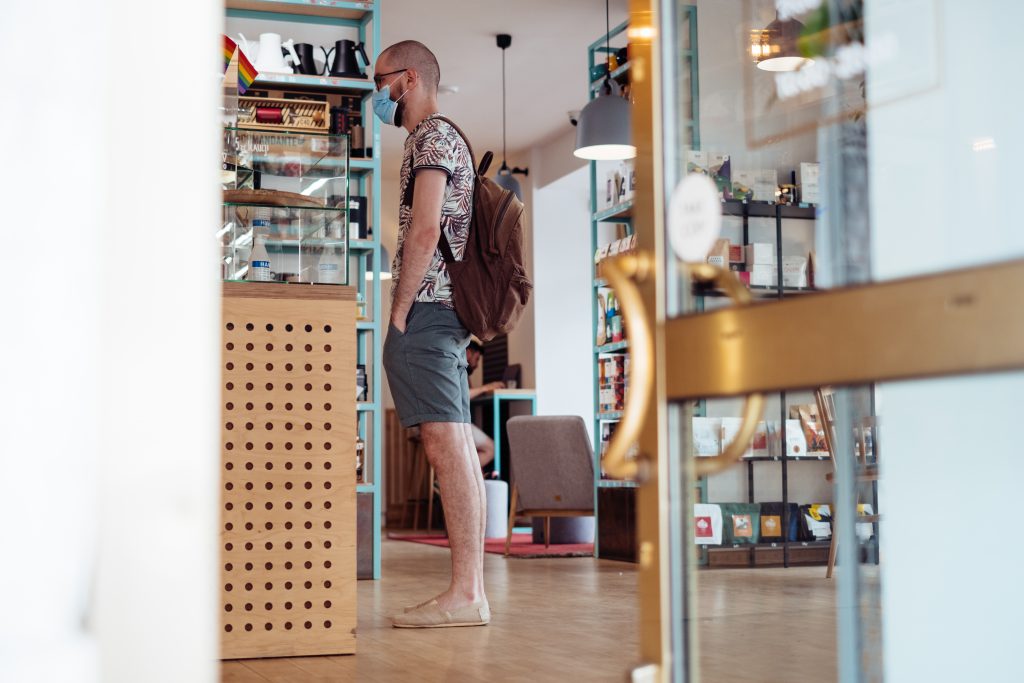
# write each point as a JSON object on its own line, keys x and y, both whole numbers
{"x": 604, "y": 130}
{"x": 774, "y": 47}
{"x": 505, "y": 177}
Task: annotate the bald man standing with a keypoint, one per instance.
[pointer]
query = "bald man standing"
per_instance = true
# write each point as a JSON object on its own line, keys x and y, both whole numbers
{"x": 424, "y": 353}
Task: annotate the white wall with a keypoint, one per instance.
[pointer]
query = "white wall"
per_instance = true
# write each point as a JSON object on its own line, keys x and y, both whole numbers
{"x": 952, "y": 594}
{"x": 564, "y": 308}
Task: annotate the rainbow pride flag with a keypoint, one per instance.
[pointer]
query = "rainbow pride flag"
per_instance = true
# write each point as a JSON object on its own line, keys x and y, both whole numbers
{"x": 229, "y": 51}
{"x": 246, "y": 73}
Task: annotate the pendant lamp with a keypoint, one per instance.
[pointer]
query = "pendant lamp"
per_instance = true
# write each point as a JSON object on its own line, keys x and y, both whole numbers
{"x": 505, "y": 177}
{"x": 774, "y": 48}
{"x": 604, "y": 130}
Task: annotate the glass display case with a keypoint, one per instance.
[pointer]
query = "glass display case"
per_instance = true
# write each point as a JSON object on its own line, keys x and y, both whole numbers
{"x": 285, "y": 215}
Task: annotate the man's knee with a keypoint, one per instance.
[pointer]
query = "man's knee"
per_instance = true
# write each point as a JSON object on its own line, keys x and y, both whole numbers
{"x": 439, "y": 440}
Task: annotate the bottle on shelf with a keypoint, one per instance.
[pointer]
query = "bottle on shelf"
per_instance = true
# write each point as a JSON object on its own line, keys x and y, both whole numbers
{"x": 360, "y": 451}
{"x": 259, "y": 260}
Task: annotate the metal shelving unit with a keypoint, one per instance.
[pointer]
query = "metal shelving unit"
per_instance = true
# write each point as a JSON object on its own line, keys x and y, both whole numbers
{"x": 365, "y": 179}
{"x": 621, "y": 213}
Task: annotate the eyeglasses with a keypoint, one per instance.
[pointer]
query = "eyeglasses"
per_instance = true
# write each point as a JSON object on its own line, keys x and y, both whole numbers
{"x": 379, "y": 77}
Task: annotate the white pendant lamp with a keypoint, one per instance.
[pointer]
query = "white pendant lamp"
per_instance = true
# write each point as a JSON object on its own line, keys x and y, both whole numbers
{"x": 505, "y": 177}
{"x": 604, "y": 130}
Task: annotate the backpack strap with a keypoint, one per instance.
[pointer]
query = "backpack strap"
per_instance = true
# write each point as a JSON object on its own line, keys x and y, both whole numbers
{"x": 442, "y": 242}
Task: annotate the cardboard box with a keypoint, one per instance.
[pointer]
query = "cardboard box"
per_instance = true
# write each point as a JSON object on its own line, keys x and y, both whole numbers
{"x": 760, "y": 253}
{"x": 809, "y": 179}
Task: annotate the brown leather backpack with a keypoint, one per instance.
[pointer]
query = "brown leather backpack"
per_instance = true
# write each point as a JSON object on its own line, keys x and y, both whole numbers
{"x": 489, "y": 285}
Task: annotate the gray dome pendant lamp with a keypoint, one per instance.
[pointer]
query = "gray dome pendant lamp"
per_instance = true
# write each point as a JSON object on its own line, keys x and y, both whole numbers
{"x": 505, "y": 177}
{"x": 604, "y": 129}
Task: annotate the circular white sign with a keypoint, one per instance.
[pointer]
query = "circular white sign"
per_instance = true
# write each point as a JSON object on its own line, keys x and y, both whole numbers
{"x": 694, "y": 217}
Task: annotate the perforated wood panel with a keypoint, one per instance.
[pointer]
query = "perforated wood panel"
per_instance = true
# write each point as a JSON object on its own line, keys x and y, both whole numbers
{"x": 288, "y": 517}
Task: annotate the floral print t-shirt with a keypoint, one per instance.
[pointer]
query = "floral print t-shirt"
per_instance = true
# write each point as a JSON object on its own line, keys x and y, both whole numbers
{"x": 435, "y": 144}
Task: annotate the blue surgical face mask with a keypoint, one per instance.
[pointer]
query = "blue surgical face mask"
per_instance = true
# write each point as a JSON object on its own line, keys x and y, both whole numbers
{"x": 385, "y": 108}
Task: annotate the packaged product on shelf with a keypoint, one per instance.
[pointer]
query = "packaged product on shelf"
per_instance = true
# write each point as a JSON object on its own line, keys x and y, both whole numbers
{"x": 814, "y": 432}
{"x": 766, "y": 184}
{"x": 816, "y": 522}
{"x": 707, "y": 524}
{"x": 720, "y": 170}
{"x": 606, "y": 398}
{"x": 743, "y": 185}
{"x": 719, "y": 254}
{"x": 796, "y": 442}
{"x": 707, "y": 436}
{"x": 622, "y": 182}
{"x": 762, "y": 275}
{"x": 794, "y": 271}
{"x": 737, "y": 254}
{"x": 602, "y": 324}
{"x": 760, "y": 253}
{"x": 609, "y": 189}
{"x": 361, "y": 385}
{"x": 759, "y": 445}
{"x": 631, "y": 180}
{"x": 810, "y": 188}
{"x": 615, "y": 327}
{"x": 741, "y": 523}
{"x": 730, "y": 428}
{"x": 697, "y": 162}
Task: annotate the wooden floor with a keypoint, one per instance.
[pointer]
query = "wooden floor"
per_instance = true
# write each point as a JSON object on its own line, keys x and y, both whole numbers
{"x": 572, "y": 620}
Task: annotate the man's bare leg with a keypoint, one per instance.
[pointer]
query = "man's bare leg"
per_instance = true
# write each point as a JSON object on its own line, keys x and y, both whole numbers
{"x": 473, "y": 447}
{"x": 458, "y": 474}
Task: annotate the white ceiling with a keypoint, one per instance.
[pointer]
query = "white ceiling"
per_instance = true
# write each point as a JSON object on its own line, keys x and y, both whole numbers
{"x": 547, "y": 63}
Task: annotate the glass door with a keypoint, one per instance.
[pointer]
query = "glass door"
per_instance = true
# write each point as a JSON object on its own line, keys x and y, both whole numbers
{"x": 827, "y": 343}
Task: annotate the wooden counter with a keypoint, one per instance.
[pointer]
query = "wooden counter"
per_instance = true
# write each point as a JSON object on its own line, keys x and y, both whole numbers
{"x": 288, "y": 494}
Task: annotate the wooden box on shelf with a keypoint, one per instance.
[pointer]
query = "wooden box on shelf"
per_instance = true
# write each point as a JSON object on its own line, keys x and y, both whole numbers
{"x": 267, "y": 113}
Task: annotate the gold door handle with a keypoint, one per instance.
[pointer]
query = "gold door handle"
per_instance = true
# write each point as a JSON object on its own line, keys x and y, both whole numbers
{"x": 622, "y": 273}
{"x": 753, "y": 408}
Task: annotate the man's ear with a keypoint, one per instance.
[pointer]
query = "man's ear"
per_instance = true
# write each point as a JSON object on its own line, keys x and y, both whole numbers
{"x": 414, "y": 77}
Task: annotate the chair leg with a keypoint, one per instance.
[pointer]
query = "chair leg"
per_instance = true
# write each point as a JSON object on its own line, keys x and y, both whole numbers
{"x": 511, "y": 518}
{"x": 547, "y": 532}
{"x": 430, "y": 500}
{"x": 421, "y": 475}
{"x": 832, "y": 552}
{"x": 411, "y": 486}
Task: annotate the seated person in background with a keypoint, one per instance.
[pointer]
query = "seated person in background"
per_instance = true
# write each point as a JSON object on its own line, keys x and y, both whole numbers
{"x": 484, "y": 444}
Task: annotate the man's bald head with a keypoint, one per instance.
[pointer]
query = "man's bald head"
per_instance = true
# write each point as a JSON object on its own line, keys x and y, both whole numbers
{"x": 412, "y": 54}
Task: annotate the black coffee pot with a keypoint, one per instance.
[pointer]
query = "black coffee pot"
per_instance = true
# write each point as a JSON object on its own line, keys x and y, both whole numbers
{"x": 349, "y": 59}
{"x": 307, "y": 62}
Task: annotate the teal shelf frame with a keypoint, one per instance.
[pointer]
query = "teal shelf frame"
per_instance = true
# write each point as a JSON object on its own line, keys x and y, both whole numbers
{"x": 365, "y": 177}
{"x": 622, "y": 213}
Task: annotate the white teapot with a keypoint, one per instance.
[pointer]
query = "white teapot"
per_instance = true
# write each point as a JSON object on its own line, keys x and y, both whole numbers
{"x": 268, "y": 56}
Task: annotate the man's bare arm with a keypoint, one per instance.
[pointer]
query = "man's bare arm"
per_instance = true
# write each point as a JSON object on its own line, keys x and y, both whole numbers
{"x": 492, "y": 386}
{"x": 420, "y": 241}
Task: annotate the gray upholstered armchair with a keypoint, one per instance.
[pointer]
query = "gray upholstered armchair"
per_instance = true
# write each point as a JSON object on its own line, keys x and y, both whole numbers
{"x": 552, "y": 469}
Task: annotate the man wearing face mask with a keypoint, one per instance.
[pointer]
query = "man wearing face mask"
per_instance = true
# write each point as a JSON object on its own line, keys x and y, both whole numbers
{"x": 424, "y": 353}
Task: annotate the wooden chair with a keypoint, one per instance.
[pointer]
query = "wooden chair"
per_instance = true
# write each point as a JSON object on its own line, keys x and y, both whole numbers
{"x": 552, "y": 468}
{"x": 866, "y": 471}
{"x": 421, "y": 472}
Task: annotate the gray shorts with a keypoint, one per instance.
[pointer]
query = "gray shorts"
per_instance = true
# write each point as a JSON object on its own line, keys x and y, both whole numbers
{"x": 426, "y": 366}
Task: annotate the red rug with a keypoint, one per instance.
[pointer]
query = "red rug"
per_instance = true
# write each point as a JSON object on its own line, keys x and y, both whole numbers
{"x": 522, "y": 545}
